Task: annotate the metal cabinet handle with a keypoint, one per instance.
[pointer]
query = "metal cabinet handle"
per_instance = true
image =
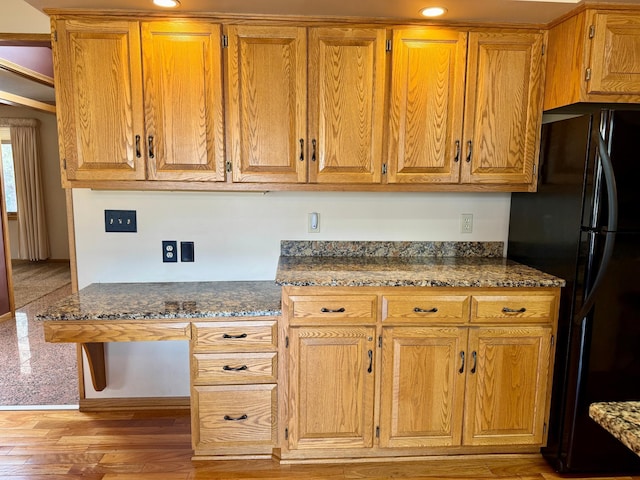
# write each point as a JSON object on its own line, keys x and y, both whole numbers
{"x": 138, "y": 153}
{"x": 150, "y": 140}
{"x": 422, "y": 310}
{"x": 474, "y": 355}
{"x": 234, "y": 369}
{"x": 237, "y": 419}
{"x": 511, "y": 310}
{"x": 469, "y": 150}
{"x": 242, "y": 335}
{"x": 337, "y": 310}
{"x": 313, "y": 150}
{"x": 457, "y": 157}
{"x": 462, "y": 365}
{"x": 302, "y": 149}
{"x": 370, "y": 353}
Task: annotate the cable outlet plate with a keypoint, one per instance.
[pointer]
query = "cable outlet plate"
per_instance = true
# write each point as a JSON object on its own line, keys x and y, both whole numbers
{"x": 169, "y": 251}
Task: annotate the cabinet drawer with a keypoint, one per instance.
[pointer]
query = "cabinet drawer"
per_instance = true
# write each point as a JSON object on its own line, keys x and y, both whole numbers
{"x": 232, "y": 368}
{"x": 234, "y": 336}
{"x": 425, "y": 308}
{"x": 233, "y": 415}
{"x": 513, "y": 308}
{"x": 333, "y": 309}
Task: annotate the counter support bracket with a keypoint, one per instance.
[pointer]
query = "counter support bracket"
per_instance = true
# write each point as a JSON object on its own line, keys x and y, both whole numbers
{"x": 97, "y": 364}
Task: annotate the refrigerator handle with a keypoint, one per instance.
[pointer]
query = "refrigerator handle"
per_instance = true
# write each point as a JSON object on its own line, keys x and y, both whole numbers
{"x": 612, "y": 226}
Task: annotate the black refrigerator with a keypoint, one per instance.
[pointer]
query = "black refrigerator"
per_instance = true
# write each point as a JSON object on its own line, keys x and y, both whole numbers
{"x": 583, "y": 225}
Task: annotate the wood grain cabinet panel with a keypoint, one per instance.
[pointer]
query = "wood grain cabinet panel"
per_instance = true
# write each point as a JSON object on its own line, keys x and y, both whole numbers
{"x": 267, "y": 103}
{"x": 513, "y": 308}
{"x": 241, "y": 336}
{"x": 234, "y": 368}
{"x": 346, "y": 104}
{"x": 503, "y": 109}
{"x": 99, "y": 91}
{"x": 425, "y": 308}
{"x": 426, "y": 107}
{"x": 183, "y": 101}
{"x": 328, "y": 309}
{"x": 422, "y": 391}
{"x": 331, "y": 390}
{"x": 507, "y": 385}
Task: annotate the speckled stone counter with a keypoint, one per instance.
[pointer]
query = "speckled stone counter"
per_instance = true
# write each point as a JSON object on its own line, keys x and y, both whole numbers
{"x": 113, "y": 301}
{"x": 410, "y": 264}
{"x": 621, "y": 419}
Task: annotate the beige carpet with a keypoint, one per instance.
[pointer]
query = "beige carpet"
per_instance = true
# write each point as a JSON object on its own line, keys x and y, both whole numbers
{"x": 33, "y": 280}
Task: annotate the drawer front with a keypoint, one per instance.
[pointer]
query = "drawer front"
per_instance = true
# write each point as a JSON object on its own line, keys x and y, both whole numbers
{"x": 425, "y": 308}
{"x": 233, "y": 415}
{"x": 233, "y": 368}
{"x": 513, "y": 308}
{"x": 333, "y": 309}
{"x": 234, "y": 336}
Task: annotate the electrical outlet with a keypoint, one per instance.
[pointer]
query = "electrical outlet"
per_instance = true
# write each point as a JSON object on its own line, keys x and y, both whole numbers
{"x": 120, "y": 221}
{"x": 466, "y": 223}
{"x": 169, "y": 251}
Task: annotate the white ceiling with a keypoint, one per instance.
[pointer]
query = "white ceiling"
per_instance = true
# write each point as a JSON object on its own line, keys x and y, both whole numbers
{"x": 493, "y": 11}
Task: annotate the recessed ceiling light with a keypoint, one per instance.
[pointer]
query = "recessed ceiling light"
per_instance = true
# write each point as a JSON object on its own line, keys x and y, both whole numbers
{"x": 433, "y": 11}
{"x": 166, "y": 3}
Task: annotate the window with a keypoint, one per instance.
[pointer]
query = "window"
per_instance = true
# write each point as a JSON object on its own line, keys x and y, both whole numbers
{"x": 8, "y": 174}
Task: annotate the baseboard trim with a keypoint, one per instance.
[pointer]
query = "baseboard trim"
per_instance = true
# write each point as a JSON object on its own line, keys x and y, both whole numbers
{"x": 128, "y": 404}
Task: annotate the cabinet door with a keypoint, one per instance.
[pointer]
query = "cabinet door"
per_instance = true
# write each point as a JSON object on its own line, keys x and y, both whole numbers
{"x": 615, "y": 64}
{"x": 346, "y": 104}
{"x": 266, "y": 103}
{"x": 503, "y": 111}
{"x": 331, "y": 387}
{"x": 423, "y": 376}
{"x": 507, "y": 385}
{"x": 427, "y": 100}
{"x": 183, "y": 101}
{"x": 99, "y": 75}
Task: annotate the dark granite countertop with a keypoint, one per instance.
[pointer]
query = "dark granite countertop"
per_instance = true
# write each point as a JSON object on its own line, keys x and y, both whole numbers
{"x": 112, "y": 301}
{"x": 410, "y": 272}
{"x": 621, "y": 419}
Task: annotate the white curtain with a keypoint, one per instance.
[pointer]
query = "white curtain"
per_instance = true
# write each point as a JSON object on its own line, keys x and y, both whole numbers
{"x": 32, "y": 226}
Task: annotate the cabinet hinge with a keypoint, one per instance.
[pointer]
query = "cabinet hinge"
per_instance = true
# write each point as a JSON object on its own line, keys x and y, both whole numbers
{"x": 380, "y": 341}
{"x": 55, "y": 35}
{"x": 587, "y": 74}
{"x": 535, "y": 169}
{"x": 377, "y": 432}
{"x": 544, "y": 429}
{"x": 384, "y": 168}
{"x": 64, "y": 163}
{"x": 286, "y": 342}
{"x": 228, "y": 165}
{"x": 544, "y": 49}
{"x": 592, "y": 31}
{"x": 286, "y": 434}
{"x": 225, "y": 41}
{"x": 553, "y": 340}
{"x": 388, "y": 47}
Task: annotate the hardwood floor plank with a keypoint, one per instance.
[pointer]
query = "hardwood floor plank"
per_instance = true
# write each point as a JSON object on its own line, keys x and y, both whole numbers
{"x": 48, "y": 469}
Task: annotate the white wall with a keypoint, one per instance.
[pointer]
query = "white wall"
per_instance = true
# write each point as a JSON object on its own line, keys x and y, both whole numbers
{"x": 54, "y": 196}
{"x": 237, "y": 237}
{"x": 20, "y": 17}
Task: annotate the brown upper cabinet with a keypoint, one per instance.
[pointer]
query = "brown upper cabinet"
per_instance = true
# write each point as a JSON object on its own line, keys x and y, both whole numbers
{"x": 593, "y": 57}
{"x": 305, "y": 105}
{"x": 488, "y": 133}
{"x": 110, "y": 130}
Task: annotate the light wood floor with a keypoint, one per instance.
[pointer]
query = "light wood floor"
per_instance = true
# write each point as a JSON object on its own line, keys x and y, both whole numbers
{"x": 55, "y": 445}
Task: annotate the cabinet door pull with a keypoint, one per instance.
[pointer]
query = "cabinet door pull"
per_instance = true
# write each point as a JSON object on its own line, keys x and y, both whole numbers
{"x": 151, "y": 154}
{"x": 242, "y": 335}
{"x": 474, "y": 355}
{"x": 462, "y": 363}
{"x": 302, "y": 149}
{"x": 511, "y": 310}
{"x": 235, "y": 369}
{"x": 423, "y": 310}
{"x": 457, "y": 157}
{"x": 313, "y": 150}
{"x": 469, "y": 151}
{"x": 237, "y": 419}
{"x": 138, "y": 153}
{"x": 370, "y": 353}
{"x": 329, "y": 310}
